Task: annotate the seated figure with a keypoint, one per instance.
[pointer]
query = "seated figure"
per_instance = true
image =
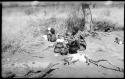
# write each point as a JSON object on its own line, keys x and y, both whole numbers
{"x": 51, "y": 36}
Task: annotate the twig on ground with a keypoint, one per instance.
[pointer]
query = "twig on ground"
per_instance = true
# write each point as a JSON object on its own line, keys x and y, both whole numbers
{"x": 88, "y": 61}
{"x": 69, "y": 61}
{"x": 42, "y": 73}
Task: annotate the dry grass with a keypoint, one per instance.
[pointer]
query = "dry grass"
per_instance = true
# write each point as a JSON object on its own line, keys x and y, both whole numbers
{"x": 74, "y": 23}
{"x": 22, "y": 27}
{"x": 114, "y": 14}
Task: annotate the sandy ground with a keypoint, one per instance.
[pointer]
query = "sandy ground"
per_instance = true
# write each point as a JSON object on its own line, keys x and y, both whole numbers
{"x": 36, "y": 56}
{"x": 96, "y": 49}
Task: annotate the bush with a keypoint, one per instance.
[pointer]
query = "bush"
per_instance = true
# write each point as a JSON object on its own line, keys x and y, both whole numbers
{"x": 105, "y": 26}
{"x": 74, "y": 24}
{"x": 10, "y": 46}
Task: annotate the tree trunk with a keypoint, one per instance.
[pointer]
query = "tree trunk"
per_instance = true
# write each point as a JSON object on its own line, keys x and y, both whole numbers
{"x": 88, "y": 17}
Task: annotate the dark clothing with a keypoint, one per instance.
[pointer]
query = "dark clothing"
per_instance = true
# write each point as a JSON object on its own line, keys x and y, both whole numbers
{"x": 82, "y": 43}
{"x": 51, "y": 37}
{"x": 52, "y": 30}
{"x": 73, "y": 47}
{"x": 60, "y": 48}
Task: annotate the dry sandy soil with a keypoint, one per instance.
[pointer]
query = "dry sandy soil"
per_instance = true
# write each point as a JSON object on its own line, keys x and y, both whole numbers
{"x": 23, "y": 27}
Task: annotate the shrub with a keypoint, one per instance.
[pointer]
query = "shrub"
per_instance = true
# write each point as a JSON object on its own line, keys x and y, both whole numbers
{"x": 105, "y": 26}
{"x": 74, "y": 24}
{"x": 10, "y": 46}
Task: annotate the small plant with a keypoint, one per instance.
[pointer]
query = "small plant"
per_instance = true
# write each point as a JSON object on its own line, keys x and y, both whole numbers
{"x": 10, "y": 46}
{"x": 6, "y": 47}
{"x": 105, "y": 26}
{"x": 74, "y": 24}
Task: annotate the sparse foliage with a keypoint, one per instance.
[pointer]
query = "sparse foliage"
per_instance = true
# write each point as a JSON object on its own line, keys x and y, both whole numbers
{"x": 105, "y": 26}
{"x": 74, "y": 24}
